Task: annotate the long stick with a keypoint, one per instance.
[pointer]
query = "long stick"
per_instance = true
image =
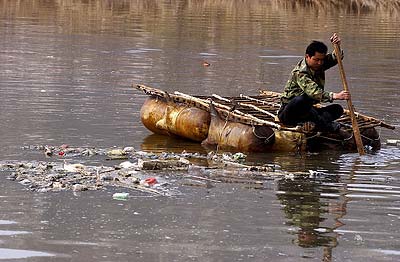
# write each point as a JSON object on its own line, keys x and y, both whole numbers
{"x": 356, "y": 130}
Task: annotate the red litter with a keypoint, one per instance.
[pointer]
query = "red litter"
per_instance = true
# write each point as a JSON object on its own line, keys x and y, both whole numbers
{"x": 150, "y": 180}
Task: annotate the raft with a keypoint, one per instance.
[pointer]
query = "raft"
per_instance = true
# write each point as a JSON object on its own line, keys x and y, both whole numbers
{"x": 246, "y": 123}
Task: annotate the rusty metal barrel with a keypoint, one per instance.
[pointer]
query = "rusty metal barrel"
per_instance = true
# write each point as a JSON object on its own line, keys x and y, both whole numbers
{"x": 175, "y": 119}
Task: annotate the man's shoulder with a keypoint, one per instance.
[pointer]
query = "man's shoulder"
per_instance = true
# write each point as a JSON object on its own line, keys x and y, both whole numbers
{"x": 301, "y": 68}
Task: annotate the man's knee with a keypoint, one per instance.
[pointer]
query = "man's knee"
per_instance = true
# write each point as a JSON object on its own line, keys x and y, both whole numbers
{"x": 334, "y": 110}
{"x": 299, "y": 105}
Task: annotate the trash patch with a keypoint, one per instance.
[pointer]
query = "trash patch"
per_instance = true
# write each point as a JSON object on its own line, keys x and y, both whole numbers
{"x": 153, "y": 173}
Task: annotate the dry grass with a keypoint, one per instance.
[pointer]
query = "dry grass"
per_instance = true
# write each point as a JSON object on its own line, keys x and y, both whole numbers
{"x": 348, "y": 6}
{"x": 98, "y": 15}
{"x": 356, "y": 6}
{"x": 353, "y": 6}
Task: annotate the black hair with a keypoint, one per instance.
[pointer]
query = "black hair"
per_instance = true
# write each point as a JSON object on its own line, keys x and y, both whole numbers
{"x": 316, "y": 46}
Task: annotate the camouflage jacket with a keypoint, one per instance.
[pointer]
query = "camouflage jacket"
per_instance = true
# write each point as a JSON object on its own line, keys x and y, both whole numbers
{"x": 303, "y": 80}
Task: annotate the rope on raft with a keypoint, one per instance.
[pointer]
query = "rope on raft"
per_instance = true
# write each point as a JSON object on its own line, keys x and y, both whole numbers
{"x": 266, "y": 139}
{"x": 318, "y": 134}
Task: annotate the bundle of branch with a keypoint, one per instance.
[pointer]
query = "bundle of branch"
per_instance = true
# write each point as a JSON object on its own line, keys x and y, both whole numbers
{"x": 363, "y": 121}
{"x": 177, "y": 97}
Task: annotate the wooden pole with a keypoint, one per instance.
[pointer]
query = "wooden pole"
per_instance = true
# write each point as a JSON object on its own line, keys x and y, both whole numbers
{"x": 356, "y": 130}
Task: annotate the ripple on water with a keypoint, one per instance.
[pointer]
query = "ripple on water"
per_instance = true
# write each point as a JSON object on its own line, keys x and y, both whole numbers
{"x": 388, "y": 252}
{"x": 7, "y": 222}
{"x": 12, "y": 232}
{"x": 7, "y": 253}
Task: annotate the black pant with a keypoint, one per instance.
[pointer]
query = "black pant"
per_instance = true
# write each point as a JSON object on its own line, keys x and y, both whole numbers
{"x": 300, "y": 109}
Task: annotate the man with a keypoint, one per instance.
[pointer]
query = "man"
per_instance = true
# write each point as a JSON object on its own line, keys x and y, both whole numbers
{"x": 305, "y": 88}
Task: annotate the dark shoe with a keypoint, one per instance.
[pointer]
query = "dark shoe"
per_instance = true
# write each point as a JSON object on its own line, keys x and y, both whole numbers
{"x": 333, "y": 127}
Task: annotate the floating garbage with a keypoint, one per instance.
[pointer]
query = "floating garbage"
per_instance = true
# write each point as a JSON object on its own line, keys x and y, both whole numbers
{"x": 74, "y": 167}
{"x": 393, "y": 142}
{"x": 227, "y": 157}
{"x": 239, "y": 156}
{"x": 156, "y": 164}
{"x": 48, "y": 151}
{"x": 79, "y": 187}
{"x": 127, "y": 165}
{"x": 142, "y": 171}
{"x": 121, "y": 196}
{"x": 148, "y": 182}
{"x": 358, "y": 239}
{"x": 116, "y": 152}
{"x": 128, "y": 149}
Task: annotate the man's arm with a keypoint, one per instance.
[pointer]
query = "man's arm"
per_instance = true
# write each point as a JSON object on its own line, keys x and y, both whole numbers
{"x": 312, "y": 89}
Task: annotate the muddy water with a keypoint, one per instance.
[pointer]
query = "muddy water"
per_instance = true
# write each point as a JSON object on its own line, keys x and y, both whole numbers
{"x": 65, "y": 78}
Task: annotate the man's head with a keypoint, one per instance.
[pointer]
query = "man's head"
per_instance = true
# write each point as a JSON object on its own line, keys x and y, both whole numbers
{"x": 315, "y": 55}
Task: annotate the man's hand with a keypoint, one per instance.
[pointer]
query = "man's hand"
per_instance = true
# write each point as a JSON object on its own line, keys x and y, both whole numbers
{"x": 343, "y": 95}
{"x": 335, "y": 39}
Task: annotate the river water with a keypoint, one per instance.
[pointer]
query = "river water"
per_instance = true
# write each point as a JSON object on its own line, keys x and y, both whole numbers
{"x": 65, "y": 78}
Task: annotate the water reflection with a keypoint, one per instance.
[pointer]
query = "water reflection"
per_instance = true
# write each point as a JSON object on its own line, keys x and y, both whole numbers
{"x": 160, "y": 143}
{"x": 307, "y": 212}
{"x": 317, "y": 210}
